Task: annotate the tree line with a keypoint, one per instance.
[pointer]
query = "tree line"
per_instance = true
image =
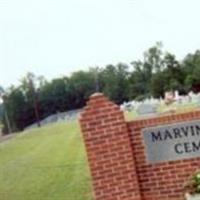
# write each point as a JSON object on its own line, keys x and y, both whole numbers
{"x": 158, "y": 71}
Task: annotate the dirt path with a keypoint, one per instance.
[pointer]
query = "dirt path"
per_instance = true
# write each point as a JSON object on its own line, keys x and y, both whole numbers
{"x": 6, "y": 137}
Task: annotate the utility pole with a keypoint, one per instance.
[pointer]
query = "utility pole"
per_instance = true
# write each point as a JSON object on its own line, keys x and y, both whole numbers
{"x": 7, "y": 121}
{"x": 36, "y": 108}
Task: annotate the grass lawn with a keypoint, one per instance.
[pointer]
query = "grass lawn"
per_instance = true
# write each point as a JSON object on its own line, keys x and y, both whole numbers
{"x": 45, "y": 164}
{"x": 48, "y": 163}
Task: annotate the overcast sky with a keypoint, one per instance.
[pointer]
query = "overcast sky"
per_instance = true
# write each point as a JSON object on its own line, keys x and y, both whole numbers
{"x": 56, "y": 37}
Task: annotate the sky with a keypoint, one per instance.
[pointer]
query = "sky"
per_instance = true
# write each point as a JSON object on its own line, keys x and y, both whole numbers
{"x": 53, "y": 38}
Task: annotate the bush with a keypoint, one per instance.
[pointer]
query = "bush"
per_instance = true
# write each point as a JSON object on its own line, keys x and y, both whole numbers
{"x": 193, "y": 185}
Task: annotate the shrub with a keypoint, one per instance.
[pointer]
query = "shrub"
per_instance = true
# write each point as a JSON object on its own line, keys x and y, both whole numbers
{"x": 193, "y": 185}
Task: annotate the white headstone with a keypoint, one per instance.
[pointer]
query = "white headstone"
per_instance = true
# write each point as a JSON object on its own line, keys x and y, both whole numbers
{"x": 147, "y": 109}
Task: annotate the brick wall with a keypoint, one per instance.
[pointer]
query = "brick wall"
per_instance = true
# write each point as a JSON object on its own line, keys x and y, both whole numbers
{"x": 109, "y": 151}
{"x": 116, "y": 155}
{"x": 163, "y": 180}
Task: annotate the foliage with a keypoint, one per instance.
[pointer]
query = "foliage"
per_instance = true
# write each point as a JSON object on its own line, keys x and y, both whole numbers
{"x": 157, "y": 72}
{"x": 191, "y": 69}
{"x": 193, "y": 185}
{"x": 115, "y": 82}
{"x": 1, "y": 103}
{"x": 1, "y": 112}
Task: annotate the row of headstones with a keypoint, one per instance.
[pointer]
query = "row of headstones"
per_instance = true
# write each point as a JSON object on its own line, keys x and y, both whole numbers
{"x": 150, "y": 106}
{"x": 144, "y": 107}
{"x": 190, "y": 98}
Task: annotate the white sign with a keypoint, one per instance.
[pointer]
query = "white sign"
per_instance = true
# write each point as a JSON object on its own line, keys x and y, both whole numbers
{"x": 172, "y": 142}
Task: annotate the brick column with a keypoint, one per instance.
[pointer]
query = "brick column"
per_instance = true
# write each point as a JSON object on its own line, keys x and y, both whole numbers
{"x": 109, "y": 150}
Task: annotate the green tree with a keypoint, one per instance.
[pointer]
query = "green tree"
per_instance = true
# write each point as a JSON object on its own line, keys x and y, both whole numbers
{"x": 158, "y": 85}
{"x": 1, "y": 103}
{"x": 29, "y": 86}
{"x": 191, "y": 69}
{"x": 116, "y": 82}
{"x": 53, "y": 96}
{"x": 81, "y": 86}
{"x": 14, "y": 105}
{"x": 143, "y": 72}
{"x": 173, "y": 73}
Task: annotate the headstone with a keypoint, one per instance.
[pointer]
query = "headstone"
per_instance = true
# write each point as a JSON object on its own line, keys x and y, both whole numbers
{"x": 144, "y": 109}
{"x": 127, "y": 106}
{"x": 192, "y": 197}
{"x": 169, "y": 98}
{"x": 198, "y": 100}
{"x": 176, "y": 94}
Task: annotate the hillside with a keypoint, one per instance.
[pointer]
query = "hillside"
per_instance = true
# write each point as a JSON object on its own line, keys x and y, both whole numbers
{"x": 47, "y": 163}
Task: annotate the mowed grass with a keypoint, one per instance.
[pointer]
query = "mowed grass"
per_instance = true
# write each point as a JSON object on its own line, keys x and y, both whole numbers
{"x": 48, "y": 163}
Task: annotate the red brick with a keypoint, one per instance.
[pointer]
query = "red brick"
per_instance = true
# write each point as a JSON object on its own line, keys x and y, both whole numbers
{"x": 117, "y": 159}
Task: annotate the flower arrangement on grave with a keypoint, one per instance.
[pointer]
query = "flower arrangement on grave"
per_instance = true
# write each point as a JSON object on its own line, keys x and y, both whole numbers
{"x": 193, "y": 185}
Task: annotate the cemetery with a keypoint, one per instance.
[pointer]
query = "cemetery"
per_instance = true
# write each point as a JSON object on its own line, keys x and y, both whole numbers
{"x": 92, "y": 104}
{"x": 141, "y": 144}
{"x": 135, "y": 109}
{"x": 153, "y": 146}
{"x": 155, "y": 106}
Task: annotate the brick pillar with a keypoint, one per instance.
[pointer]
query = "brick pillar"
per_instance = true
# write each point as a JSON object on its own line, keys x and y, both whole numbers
{"x": 109, "y": 150}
